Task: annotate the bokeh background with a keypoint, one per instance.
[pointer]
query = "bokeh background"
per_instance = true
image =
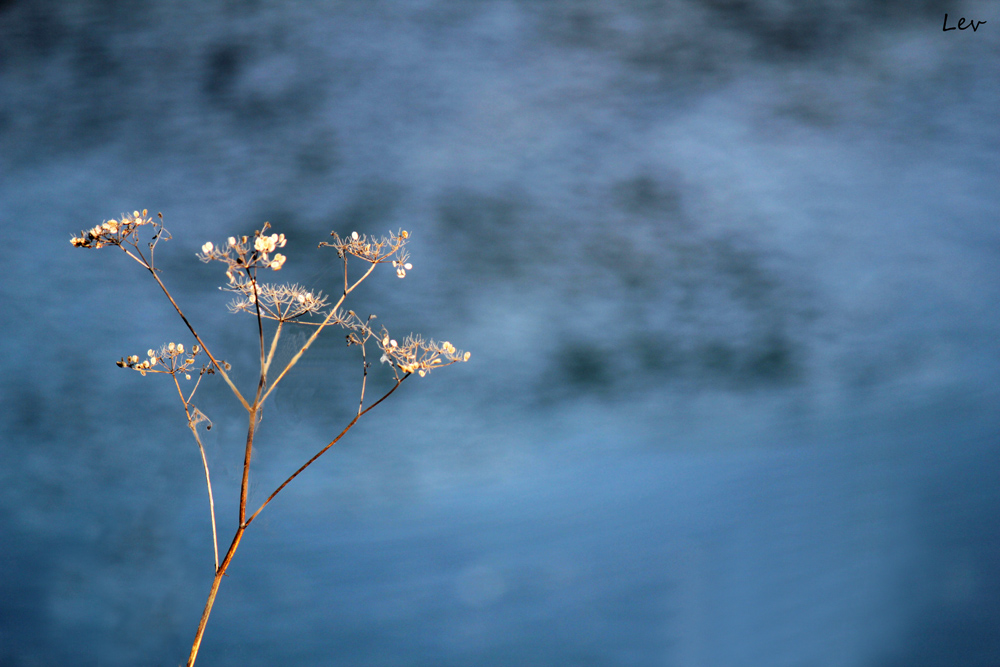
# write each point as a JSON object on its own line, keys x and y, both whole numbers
{"x": 727, "y": 270}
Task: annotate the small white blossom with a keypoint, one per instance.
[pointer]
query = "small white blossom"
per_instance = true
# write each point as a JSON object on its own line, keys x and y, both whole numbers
{"x": 208, "y": 247}
{"x": 231, "y": 240}
{"x": 180, "y": 347}
{"x": 354, "y": 236}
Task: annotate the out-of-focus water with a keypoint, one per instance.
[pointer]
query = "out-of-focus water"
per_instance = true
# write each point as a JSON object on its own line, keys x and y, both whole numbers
{"x": 728, "y": 272}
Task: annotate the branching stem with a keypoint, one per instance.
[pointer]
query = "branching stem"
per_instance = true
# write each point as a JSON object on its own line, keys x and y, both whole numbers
{"x": 413, "y": 356}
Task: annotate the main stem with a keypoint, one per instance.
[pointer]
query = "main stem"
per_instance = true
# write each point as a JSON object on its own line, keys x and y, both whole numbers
{"x": 221, "y": 570}
{"x": 219, "y": 573}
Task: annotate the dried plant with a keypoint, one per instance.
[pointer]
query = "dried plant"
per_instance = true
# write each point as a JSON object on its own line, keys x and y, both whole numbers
{"x": 244, "y": 257}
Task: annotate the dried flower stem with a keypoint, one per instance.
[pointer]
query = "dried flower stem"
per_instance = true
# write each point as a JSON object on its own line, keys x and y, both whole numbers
{"x": 286, "y": 303}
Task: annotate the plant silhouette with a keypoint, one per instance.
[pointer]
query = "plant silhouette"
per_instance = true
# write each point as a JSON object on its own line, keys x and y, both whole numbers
{"x": 244, "y": 257}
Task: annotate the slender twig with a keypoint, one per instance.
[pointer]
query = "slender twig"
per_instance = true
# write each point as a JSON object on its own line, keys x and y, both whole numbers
{"x": 324, "y": 450}
{"x": 274, "y": 346}
{"x": 193, "y": 425}
{"x": 218, "y": 366}
{"x": 211, "y": 499}
{"x": 364, "y": 366}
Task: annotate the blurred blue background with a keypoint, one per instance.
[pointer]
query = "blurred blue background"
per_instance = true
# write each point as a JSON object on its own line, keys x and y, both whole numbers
{"x": 727, "y": 270}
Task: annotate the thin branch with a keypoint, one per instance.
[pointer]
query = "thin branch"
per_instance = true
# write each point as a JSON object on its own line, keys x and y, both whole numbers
{"x": 274, "y": 346}
{"x": 141, "y": 259}
{"x": 218, "y": 366}
{"x": 196, "y": 383}
{"x": 364, "y": 379}
{"x": 324, "y": 450}
{"x": 364, "y": 365}
{"x": 208, "y": 481}
{"x": 193, "y": 425}
{"x": 260, "y": 323}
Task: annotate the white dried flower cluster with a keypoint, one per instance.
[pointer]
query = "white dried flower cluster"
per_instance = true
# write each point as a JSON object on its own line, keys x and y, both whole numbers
{"x": 401, "y": 268}
{"x": 113, "y": 232}
{"x": 418, "y": 356}
{"x": 283, "y": 303}
{"x": 242, "y": 253}
{"x": 374, "y": 250}
{"x": 170, "y": 358}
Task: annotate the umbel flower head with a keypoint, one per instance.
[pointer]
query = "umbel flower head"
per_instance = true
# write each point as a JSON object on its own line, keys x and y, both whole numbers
{"x": 115, "y": 232}
{"x": 284, "y": 303}
{"x": 244, "y": 253}
{"x": 170, "y": 358}
{"x": 374, "y": 250}
{"x": 415, "y": 355}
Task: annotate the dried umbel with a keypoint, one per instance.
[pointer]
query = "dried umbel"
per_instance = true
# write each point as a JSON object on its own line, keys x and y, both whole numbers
{"x": 117, "y": 232}
{"x": 247, "y": 252}
{"x": 169, "y": 359}
{"x": 416, "y": 355}
{"x": 374, "y": 250}
{"x": 280, "y": 304}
